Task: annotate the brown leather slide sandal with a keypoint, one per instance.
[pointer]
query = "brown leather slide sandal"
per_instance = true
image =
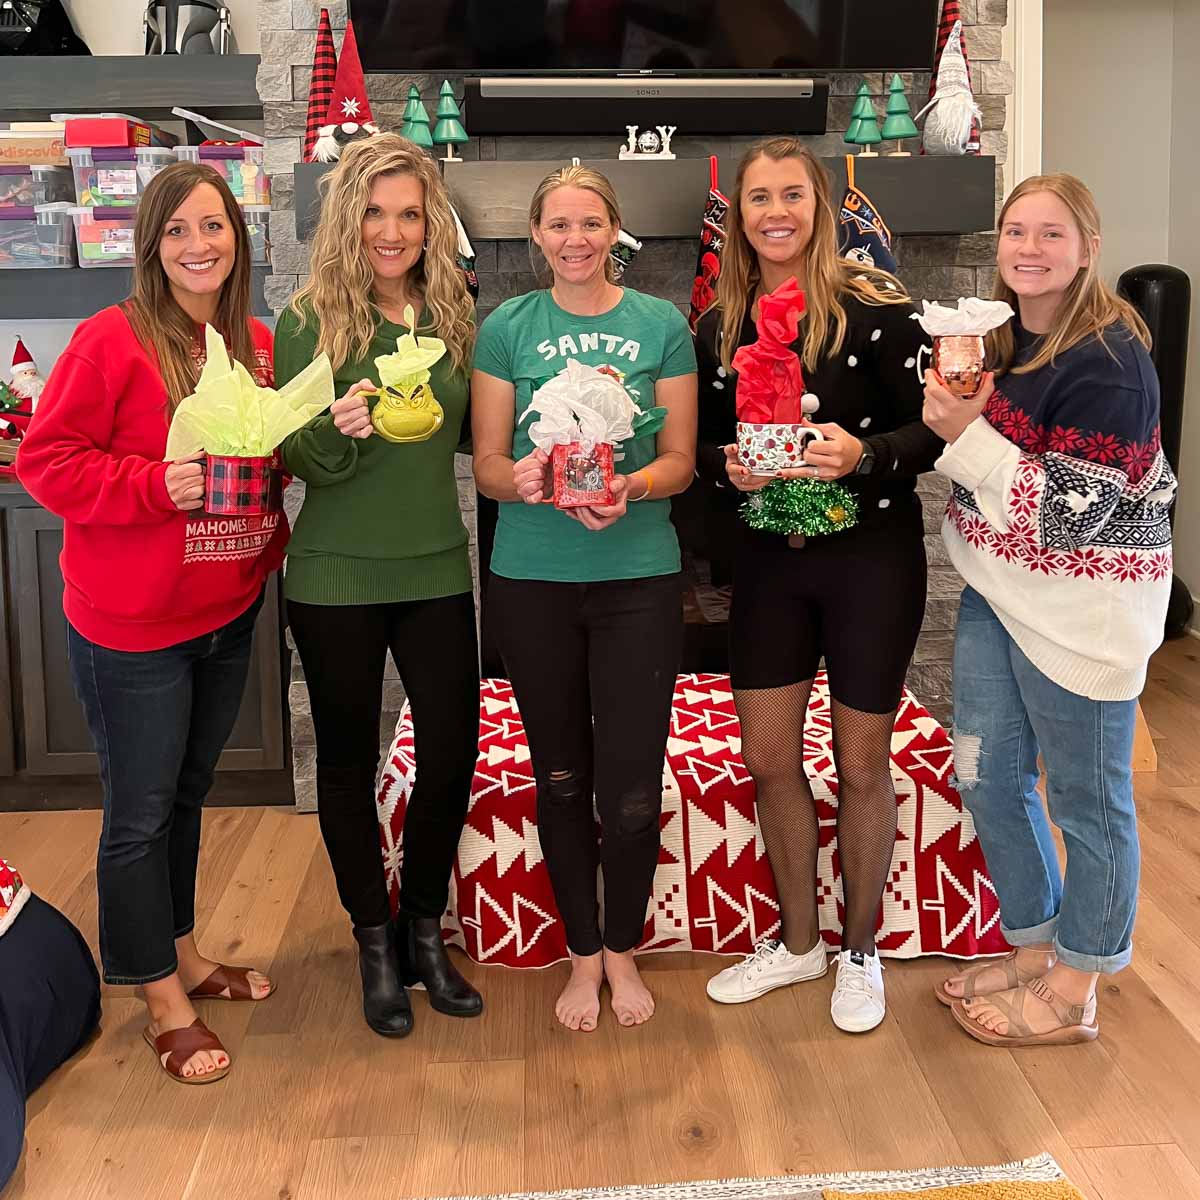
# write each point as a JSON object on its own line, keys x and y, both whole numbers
{"x": 225, "y": 983}
{"x": 178, "y": 1045}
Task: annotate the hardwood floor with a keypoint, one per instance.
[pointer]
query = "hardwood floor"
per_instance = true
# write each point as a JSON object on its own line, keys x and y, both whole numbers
{"x": 319, "y": 1108}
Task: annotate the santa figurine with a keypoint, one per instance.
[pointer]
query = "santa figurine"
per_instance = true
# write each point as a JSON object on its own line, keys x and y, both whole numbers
{"x": 349, "y": 117}
{"x": 18, "y": 397}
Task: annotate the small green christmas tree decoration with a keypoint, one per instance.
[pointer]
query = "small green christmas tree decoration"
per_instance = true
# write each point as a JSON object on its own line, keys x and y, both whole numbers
{"x": 417, "y": 129}
{"x": 867, "y": 134}
{"x": 448, "y": 131}
{"x": 899, "y": 124}
{"x": 862, "y": 104}
{"x": 414, "y": 103}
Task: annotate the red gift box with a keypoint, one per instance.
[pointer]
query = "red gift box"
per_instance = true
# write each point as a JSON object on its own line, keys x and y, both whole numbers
{"x": 582, "y": 477}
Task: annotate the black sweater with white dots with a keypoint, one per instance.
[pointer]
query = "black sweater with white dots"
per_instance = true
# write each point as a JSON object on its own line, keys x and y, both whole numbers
{"x": 870, "y": 388}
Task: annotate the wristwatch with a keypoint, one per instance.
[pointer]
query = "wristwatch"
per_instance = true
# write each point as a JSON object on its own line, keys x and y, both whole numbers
{"x": 866, "y": 464}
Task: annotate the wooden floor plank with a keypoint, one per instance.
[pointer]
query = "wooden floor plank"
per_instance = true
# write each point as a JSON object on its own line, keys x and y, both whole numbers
{"x": 472, "y": 1129}
{"x": 1139, "y": 1173}
{"x": 358, "y": 1168}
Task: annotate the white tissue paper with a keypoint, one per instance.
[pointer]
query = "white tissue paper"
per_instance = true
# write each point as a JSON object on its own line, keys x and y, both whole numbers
{"x": 972, "y": 318}
{"x": 580, "y": 404}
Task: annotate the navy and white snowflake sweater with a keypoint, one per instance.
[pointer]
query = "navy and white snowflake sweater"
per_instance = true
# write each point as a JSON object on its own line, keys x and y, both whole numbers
{"x": 1059, "y": 513}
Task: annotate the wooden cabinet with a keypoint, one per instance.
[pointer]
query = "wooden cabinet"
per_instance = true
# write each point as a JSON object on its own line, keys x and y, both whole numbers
{"x": 42, "y": 726}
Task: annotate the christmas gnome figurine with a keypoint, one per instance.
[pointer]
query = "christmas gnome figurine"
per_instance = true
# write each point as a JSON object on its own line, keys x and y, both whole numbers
{"x": 407, "y": 410}
{"x": 349, "y": 117}
{"x": 953, "y": 114}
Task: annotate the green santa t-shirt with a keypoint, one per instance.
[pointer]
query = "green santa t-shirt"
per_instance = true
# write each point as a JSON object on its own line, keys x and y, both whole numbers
{"x": 527, "y": 341}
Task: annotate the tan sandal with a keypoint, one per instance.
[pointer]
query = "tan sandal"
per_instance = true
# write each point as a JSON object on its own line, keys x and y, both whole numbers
{"x": 1077, "y": 1022}
{"x": 226, "y": 983}
{"x": 174, "y": 1047}
{"x": 1014, "y": 976}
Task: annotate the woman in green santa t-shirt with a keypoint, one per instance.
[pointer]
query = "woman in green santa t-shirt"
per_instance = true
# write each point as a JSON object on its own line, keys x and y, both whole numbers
{"x": 586, "y": 603}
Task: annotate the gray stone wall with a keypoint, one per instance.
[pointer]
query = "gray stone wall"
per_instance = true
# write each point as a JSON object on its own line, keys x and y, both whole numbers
{"x": 934, "y": 268}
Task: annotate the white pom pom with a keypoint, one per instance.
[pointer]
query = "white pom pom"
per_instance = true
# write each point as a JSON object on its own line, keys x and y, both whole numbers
{"x": 876, "y": 335}
{"x": 809, "y": 403}
{"x": 852, "y": 361}
{"x": 864, "y": 423}
{"x": 909, "y": 363}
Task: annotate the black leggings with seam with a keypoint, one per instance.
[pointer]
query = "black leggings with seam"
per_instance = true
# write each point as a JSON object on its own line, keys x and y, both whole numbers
{"x": 593, "y": 669}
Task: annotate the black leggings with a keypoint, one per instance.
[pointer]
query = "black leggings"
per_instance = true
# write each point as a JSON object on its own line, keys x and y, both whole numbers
{"x": 593, "y": 669}
{"x": 343, "y": 649}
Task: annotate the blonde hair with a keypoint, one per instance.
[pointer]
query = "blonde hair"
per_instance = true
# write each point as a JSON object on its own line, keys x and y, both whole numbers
{"x": 338, "y": 294}
{"x": 829, "y": 278}
{"x": 578, "y": 177}
{"x": 154, "y": 314}
{"x": 1089, "y": 306}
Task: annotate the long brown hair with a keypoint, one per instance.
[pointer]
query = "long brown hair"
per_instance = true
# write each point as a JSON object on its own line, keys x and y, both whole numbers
{"x": 338, "y": 294}
{"x": 589, "y": 180}
{"x": 1089, "y": 306}
{"x": 157, "y": 320}
{"x": 828, "y": 276}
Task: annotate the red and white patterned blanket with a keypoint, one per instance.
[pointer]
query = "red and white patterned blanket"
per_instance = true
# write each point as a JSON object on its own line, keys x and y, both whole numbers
{"x": 713, "y": 889}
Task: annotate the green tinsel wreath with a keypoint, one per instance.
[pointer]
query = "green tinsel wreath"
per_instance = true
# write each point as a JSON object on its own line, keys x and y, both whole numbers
{"x": 807, "y": 506}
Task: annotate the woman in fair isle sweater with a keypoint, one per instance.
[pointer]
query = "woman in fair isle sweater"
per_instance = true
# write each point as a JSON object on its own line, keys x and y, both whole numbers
{"x": 1058, "y": 523}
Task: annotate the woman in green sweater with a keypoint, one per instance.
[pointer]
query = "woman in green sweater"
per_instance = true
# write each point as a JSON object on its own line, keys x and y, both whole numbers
{"x": 378, "y": 557}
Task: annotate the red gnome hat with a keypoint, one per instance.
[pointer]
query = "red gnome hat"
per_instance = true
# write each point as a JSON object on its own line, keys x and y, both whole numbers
{"x": 320, "y": 87}
{"x": 349, "y": 101}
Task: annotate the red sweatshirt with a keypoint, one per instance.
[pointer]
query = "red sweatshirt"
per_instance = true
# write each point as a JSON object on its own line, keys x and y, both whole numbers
{"x": 140, "y": 574}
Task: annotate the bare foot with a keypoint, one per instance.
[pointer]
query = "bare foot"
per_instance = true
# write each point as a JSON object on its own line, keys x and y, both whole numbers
{"x": 991, "y": 977}
{"x": 578, "y": 1005}
{"x": 203, "y": 1062}
{"x": 631, "y": 999}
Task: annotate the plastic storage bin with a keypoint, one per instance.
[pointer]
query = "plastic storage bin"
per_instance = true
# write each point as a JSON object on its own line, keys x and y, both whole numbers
{"x": 36, "y": 236}
{"x": 258, "y": 226}
{"x": 115, "y": 176}
{"x": 22, "y": 185}
{"x": 242, "y": 167}
{"x": 104, "y": 235}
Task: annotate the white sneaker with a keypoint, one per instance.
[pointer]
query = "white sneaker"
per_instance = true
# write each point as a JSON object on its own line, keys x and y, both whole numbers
{"x": 858, "y": 1004}
{"x": 772, "y": 965}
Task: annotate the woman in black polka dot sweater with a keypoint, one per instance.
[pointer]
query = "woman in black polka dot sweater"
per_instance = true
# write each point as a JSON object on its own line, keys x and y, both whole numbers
{"x": 855, "y": 598}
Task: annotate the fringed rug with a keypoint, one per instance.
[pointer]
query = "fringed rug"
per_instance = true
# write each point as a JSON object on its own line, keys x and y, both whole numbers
{"x": 1032, "y": 1179}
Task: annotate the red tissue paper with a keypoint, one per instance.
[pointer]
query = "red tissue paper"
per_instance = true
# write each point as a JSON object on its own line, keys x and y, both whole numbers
{"x": 769, "y": 380}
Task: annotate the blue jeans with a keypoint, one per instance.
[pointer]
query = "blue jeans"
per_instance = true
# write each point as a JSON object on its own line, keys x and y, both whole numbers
{"x": 1005, "y": 711}
{"x": 159, "y": 720}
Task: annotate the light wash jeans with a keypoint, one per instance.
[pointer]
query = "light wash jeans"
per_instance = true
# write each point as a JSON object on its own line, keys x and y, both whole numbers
{"x": 1005, "y": 711}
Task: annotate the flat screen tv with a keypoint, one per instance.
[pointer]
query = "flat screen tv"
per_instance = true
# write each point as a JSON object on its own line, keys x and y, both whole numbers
{"x": 672, "y": 37}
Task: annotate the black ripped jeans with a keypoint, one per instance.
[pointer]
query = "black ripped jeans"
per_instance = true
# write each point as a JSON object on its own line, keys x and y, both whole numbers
{"x": 593, "y": 669}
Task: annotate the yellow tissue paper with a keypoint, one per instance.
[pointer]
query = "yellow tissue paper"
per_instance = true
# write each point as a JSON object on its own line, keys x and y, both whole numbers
{"x": 407, "y": 409}
{"x": 229, "y": 414}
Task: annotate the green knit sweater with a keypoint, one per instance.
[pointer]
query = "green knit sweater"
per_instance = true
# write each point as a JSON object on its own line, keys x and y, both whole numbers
{"x": 380, "y": 520}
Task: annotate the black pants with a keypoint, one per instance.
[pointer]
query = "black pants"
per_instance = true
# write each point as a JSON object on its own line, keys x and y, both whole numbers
{"x": 593, "y": 669}
{"x": 343, "y": 649}
{"x": 159, "y": 720}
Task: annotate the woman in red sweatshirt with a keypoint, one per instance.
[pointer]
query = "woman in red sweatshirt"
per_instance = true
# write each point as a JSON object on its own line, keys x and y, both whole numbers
{"x": 160, "y": 610}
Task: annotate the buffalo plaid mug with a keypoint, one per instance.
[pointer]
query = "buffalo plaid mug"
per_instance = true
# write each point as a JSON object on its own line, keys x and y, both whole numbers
{"x": 242, "y": 487}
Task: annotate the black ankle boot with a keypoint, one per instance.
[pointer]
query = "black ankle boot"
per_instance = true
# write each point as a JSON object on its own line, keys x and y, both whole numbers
{"x": 423, "y": 959}
{"x": 385, "y": 1002}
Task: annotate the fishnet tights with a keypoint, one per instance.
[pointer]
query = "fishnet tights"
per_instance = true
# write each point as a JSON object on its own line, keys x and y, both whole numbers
{"x": 772, "y": 721}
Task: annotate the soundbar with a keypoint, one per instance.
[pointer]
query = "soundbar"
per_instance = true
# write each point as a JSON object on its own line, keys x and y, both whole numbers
{"x": 516, "y": 104}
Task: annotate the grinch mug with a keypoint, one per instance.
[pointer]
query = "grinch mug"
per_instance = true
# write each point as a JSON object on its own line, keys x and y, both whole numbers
{"x": 959, "y": 360}
{"x": 774, "y": 447}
